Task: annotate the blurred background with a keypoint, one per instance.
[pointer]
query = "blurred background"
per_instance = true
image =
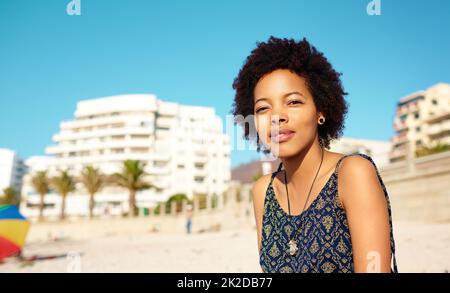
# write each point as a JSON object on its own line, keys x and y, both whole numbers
{"x": 117, "y": 148}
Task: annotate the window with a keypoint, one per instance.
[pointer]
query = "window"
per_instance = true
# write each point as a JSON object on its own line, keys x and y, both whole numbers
{"x": 117, "y": 151}
{"x": 199, "y": 179}
{"x": 199, "y": 165}
{"x": 159, "y": 164}
{"x": 139, "y": 136}
{"x": 139, "y": 150}
{"x": 117, "y": 125}
{"x": 145, "y": 124}
{"x": 434, "y": 102}
{"x": 118, "y": 137}
{"x": 418, "y": 129}
{"x": 416, "y": 115}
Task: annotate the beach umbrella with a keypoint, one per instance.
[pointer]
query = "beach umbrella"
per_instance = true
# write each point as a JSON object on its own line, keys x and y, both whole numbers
{"x": 13, "y": 230}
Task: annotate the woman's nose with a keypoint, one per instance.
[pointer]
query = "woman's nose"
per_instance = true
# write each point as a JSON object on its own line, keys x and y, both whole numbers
{"x": 278, "y": 118}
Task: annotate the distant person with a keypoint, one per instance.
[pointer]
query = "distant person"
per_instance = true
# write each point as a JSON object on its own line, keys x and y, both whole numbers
{"x": 189, "y": 219}
{"x": 306, "y": 221}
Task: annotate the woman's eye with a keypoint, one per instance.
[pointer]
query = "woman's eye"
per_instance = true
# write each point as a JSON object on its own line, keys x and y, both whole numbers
{"x": 294, "y": 102}
{"x": 260, "y": 109}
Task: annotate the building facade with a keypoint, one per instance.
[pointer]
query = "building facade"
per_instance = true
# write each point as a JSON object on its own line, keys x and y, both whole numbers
{"x": 12, "y": 170}
{"x": 183, "y": 147}
{"x": 422, "y": 119}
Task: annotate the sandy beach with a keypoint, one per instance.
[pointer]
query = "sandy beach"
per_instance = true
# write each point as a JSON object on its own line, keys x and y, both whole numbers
{"x": 124, "y": 245}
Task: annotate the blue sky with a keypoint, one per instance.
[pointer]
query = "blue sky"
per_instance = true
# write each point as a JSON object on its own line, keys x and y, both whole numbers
{"x": 190, "y": 51}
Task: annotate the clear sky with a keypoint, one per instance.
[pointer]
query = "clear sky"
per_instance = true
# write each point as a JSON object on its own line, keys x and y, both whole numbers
{"x": 189, "y": 51}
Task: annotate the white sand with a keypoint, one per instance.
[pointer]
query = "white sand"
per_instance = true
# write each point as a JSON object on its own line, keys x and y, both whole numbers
{"x": 420, "y": 248}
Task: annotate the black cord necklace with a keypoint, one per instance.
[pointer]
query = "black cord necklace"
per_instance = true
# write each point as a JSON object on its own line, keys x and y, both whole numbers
{"x": 292, "y": 243}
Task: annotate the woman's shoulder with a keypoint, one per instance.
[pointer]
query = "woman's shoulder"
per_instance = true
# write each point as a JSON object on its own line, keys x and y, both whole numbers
{"x": 354, "y": 164}
{"x": 358, "y": 179}
{"x": 260, "y": 186}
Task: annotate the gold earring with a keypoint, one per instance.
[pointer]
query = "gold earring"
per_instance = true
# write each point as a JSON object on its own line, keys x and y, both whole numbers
{"x": 321, "y": 120}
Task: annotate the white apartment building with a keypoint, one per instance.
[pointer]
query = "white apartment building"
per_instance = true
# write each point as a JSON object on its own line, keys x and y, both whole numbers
{"x": 184, "y": 148}
{"x": 378, "y": 150}
{"x": 422, "y": 118}
{"x": 12, "y": 170}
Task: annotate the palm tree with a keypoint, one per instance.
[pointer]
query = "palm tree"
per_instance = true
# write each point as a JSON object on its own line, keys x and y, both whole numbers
{"x": 93, "y": 181}
{"x": 8, "y": 197}
{"x": 178, "y": 199}
{"x": 40, "y": 184}
{"x": 132, "y": 178}
{"x": 63, "y": 184}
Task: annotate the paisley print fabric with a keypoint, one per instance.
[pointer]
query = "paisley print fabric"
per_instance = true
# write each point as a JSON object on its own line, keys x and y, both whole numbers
{"x": 321, "y": 232}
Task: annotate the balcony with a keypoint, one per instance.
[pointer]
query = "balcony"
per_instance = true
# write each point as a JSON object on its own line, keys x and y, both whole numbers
{"x": 114, "y": 122}
{"x": 162, "y": 134}
{"x": 200, "y": 188}
{"x": 400, "y": 125}
{"x": 95, "y": 159}
{"x": 158, "y": 170}
{"x": 200, "y": 156}
{"x": 438, "y": 115}
{"x": 439, "y": 127}
{"x": 124, "y": 143}
{"x": 168, "y": 109}
{"x": 93, "y": 122}
{"x": 397, "y": 154}
{"x": 399, "y": 139}
{"x": 200, "y": 172}
{"x": 165, "y": 122}
{"x": 413, "y": 107}
{"x": 68, "y": 135}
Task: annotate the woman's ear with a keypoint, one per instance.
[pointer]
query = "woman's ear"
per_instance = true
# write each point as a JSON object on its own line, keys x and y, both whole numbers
{"x": 321, "y": 118}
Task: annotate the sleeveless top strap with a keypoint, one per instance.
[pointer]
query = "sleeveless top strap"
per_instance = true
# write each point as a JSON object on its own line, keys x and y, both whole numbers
{"x": 339, "y": 162}
{"x": 276, "y": 172}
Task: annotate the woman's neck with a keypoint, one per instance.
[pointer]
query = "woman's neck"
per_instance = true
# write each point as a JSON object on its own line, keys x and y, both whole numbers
{"x": 303, "y": 167}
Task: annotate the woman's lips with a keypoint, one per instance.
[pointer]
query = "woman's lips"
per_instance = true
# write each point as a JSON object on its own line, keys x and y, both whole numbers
{"x": 282, "y": 136}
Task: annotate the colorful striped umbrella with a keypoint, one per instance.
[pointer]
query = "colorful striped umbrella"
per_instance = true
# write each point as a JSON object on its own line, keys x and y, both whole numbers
{"x": 13, "y": 230}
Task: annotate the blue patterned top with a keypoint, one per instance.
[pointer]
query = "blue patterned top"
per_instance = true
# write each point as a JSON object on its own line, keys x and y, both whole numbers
{"x": 323, "y": 236}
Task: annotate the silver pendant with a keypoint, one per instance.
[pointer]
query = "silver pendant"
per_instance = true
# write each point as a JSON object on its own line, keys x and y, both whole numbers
{"x": 292, "y": 247}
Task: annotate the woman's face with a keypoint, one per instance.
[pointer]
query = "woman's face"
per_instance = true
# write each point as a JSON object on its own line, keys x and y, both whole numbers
{"x": 285, "y": 114}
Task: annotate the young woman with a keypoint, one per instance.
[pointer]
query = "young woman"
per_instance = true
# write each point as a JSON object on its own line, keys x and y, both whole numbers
{"x": 320, "y": 211}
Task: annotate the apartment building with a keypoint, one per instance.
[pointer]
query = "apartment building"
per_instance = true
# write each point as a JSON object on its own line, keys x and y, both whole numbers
{"x": 12, "y": 170}
{"x": 184, "y": 148}
{"x": 422, "y": 119}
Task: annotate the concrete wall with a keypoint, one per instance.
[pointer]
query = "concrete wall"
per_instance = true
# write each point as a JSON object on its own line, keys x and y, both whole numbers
{"x": 419, "y": 189}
